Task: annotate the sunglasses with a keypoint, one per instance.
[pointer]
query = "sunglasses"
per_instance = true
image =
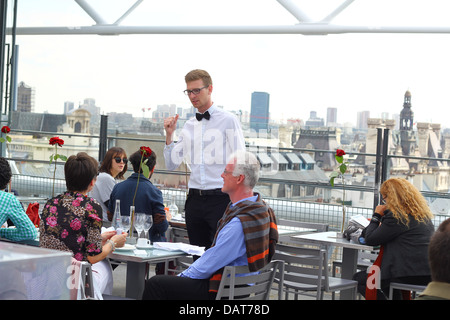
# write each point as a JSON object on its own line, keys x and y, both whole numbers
{"x": 119, "y": 159}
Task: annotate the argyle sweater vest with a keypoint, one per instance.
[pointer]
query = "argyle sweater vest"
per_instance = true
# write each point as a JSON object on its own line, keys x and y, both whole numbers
{"x": 260, "y": 234}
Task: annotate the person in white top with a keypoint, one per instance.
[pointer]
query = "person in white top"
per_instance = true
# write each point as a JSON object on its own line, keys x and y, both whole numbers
{"x": 111, "y": 171}
{"x": 205, "y": 143}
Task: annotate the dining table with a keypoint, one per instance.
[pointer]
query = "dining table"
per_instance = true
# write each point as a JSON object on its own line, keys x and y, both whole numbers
{"x": 136, "y": 259}
{"x": 349, "y": 252}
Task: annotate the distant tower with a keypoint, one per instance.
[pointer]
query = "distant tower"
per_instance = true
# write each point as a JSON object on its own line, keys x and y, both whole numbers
{"x": 25, "y": 98}
{"x": 259, "y": 113}
{"x": 407, "y": 115}
{"x": 407, "y": 135}
{"x": 331, "y": 116}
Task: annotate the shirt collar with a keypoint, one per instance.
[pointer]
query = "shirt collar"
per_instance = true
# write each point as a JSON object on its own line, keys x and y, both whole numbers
{"x": 252, "y": 198}
{"x": 211, "y": 109}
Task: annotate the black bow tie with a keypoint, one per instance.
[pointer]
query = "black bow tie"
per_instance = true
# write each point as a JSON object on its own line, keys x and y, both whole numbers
{"x": 200, "y": 116}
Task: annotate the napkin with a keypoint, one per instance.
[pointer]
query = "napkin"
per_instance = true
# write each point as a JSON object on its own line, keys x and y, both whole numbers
{"x": 33, "y": 213}
{"x": 140, "y": 253}
{"x": 174, "y": 246}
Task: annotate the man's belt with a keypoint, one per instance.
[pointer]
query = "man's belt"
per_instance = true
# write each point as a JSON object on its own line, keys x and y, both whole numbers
{"x": 210, "y": 192}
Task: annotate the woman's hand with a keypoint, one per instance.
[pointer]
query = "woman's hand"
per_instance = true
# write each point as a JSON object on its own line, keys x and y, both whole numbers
{"x": 119, "y": 239}
{"x": 380, "y": 209}
{"x": 107, "y": 235}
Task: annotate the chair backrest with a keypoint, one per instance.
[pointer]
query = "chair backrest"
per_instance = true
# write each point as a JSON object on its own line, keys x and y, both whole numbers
{"x": 304, "y": 267}
{"x": 367, "y": 257}
{"x": 286, "y": 238}
{"x": 238, "y": 283}
{"x": 179, "y": 235}
{"x": 83, "y": 284}
{"x": 320, "y": 227}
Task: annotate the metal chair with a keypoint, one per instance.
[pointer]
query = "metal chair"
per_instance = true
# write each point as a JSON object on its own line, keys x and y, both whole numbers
{"x": 413, "y": 288}
{"x": 179, "y": 235}
{"x": 365, "y": 260}
{"x": 320, "y": 227}
{"x": 306, "y": 270}
{"x": 238, "y": 283}
{"x": 83, "y": 286}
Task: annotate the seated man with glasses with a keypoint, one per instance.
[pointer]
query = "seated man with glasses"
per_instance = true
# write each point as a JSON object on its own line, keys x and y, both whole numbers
{"x": 246, "y": 235}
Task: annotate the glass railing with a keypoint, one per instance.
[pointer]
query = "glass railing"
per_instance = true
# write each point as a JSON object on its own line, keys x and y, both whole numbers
{"x": 297, "y": 193}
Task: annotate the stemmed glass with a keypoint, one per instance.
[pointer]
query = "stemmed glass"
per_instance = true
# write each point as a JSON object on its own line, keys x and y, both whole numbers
{"x": 148, "y": 222}
{"x": 139, "y": 219}
{"x": 125, "y": 222}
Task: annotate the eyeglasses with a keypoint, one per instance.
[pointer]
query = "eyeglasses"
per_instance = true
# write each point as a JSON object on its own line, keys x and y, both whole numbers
{"x": 194, "y": 91}
{"x": 119, "y": 159}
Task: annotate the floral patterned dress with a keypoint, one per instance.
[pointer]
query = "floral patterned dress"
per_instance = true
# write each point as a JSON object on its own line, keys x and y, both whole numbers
{"x": 72, "y": 222}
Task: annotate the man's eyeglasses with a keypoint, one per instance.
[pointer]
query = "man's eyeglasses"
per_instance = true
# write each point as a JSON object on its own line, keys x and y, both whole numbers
{"x": 225, "y": 172}
{"x": 119, "y": 159}
{"x": 194, "y": 91}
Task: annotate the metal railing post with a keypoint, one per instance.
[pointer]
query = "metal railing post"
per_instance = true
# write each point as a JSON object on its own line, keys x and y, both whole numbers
{"x": 103, "y": 139}
{"x": 384, "y": 156}
{"x": 376, "y": 196}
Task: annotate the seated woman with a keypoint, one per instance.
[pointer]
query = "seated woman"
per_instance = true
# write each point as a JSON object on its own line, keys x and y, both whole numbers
{"x": 10, "y": 208}
{"x": 72, "y": 221}
{"x": 403, "y": 227}
{"x": 112, "y": 169}
{"x": 148, "y": 198}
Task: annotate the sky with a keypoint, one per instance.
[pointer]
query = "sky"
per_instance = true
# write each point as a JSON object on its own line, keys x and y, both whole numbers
{"x": 351, "y": 72}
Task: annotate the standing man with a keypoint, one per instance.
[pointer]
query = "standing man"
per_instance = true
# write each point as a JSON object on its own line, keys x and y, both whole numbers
{"x": 205, "y": 143}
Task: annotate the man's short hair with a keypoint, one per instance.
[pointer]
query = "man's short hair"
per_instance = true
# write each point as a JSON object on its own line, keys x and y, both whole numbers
{"x": 198, "y": 74}
{"x": 135, "y": 160}
{"x": 247, "y": 164}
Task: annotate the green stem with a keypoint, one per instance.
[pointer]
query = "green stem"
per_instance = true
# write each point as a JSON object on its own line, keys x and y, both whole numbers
{"x": 54, "y": 171}
{"x": 134, "y": 197}
{"x": 343, "y": 204}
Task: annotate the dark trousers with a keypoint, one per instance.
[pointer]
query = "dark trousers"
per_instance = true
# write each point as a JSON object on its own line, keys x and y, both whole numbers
{"x": 164, "y": 287}
{"x": 202, "y": 214}
{"x": 383, "y": 292}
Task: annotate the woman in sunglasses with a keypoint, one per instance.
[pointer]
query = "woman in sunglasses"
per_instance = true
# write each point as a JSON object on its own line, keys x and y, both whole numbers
{"x": 111, "y": 171}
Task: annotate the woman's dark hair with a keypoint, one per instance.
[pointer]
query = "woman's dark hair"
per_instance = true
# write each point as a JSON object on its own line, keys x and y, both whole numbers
{"x": 135, "y": 160}
{"x": 79, "y": 171}
{"x": 5, "y": 173}
{"x": 109, "y": 158}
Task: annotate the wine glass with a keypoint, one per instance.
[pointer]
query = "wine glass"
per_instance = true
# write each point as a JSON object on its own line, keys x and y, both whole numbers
{"x": 148, "y": 222}
{"x": 125, "y": 221}
{"x": 139, "y": 222}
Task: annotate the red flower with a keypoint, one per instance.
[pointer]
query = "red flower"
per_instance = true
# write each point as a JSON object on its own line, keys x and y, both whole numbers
{"x": 340, "y": 152}
{"x": 6, "y": 129}
{"x": 56, "y": 140}
{"x": 145, "y": 151}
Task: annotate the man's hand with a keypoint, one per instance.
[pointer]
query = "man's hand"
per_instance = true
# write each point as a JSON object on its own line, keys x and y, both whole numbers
{"x": 170, "y": 124}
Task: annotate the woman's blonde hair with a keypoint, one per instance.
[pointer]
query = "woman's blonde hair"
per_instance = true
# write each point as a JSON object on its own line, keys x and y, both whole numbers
{"x": 403, "y": 199}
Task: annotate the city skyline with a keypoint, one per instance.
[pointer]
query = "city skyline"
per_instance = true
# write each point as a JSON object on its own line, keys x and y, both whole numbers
{"x": 314, "y": 119}
{"x": 350, "y": 72}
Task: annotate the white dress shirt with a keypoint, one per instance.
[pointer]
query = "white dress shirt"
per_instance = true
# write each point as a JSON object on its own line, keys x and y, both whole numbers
{"x": 206, "y": 146}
